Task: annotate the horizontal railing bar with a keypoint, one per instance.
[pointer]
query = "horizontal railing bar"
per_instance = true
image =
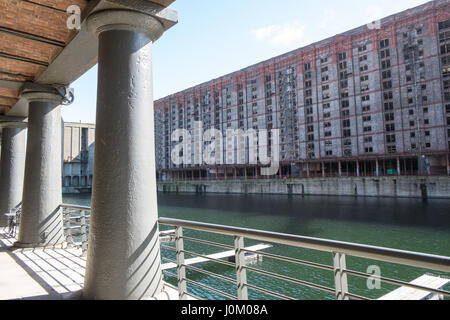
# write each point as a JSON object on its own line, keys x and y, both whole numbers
{"x": 168, "y": 260}
{"x": 212, "y": 274}
{"x": 281, "y": 296}
{"x": 170, "y": 274}
{"x": 168, "y": 247}
{"x": 70, "y": 214}
{"x": 355, "y": 296}
{"x": 293, "y": 260}
{"x": 420, "y": 260}
{"x": 215, "y": 244}
{"x": 293, "y": 280}
{"x": 211, "y": 289}
{"x": 398, "y": 282}
{"x": 76, "y": 217}
{"x": 72, "y": 227}
{"x": 76, "y": 207}
{"x": 210, "y": 259}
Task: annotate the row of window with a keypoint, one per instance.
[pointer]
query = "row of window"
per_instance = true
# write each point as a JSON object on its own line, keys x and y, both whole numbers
{"x": 445, "y": 50}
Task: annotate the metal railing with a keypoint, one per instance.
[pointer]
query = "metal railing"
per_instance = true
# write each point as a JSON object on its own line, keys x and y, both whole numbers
{"x": 76, "y": 225}
{"x": 13, "y": 217}
{"x": 338, "y": 250}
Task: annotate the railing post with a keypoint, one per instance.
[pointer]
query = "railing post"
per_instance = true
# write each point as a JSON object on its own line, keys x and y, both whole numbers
{"x": 340, "y": 277}
{"x": 84, "y": 236}
{"x": 68, "y": 227}
{"x": 181, "y": 269}
{"x": 241, "y": 272}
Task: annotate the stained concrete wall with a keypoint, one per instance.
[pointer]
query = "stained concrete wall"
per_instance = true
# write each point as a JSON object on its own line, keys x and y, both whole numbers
{"x": 415, "y": 187}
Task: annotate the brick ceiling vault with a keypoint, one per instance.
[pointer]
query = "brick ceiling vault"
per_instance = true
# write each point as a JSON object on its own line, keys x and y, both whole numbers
{"x": 32, "y": 34}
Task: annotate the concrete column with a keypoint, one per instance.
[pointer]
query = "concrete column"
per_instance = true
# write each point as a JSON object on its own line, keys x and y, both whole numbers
{"x": 307, "y": 170}
{"x": 41, "y": 220}
{"x": 12, "y": 171}
{"x": 323, "y": 169}
{"x": 398, "y": 167}
{"x": 377, "y": 170}
{"x": 123, "y": 260}
{"x": 357, "y": 168}
{"x": 340, "y": 168}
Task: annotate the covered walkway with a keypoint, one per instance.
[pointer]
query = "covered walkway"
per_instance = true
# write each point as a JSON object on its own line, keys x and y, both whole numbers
{"x": 44, "y": 47}
{"x": 52, "y": 273}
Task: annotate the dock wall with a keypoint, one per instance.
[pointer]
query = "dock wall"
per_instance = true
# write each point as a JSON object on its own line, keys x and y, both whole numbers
{"x": 410, "y": 187}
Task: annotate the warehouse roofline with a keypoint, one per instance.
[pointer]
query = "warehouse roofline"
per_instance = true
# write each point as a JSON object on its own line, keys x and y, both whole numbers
{"x": 341, "y": 37}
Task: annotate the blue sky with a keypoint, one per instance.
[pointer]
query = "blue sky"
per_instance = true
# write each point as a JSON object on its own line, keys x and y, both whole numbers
{"x": 217, "y": 37}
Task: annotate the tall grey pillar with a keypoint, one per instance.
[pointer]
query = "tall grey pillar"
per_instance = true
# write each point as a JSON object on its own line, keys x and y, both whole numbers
{"x": 12, "y": 170}
{"x": 340, "y": 168}
{"x": 123, "y": 260}
{"x": 41, "y": 220}
{"x": 357, "y": 168}
{"x": 377, "y": 170}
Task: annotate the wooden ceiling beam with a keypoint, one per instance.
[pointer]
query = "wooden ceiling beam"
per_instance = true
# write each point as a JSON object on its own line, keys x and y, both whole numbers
{"x": 26, "y": 35}
{"x": 24, "y": 59}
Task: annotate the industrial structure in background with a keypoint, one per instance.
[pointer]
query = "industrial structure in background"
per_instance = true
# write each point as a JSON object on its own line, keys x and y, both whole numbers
{"x": 367, "y": 102}
{"x": 78, "y": 157}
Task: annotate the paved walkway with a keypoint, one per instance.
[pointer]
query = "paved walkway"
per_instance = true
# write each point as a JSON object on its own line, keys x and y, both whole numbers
{"x": 50, "y": 273}
{"x": 45, "y": 274}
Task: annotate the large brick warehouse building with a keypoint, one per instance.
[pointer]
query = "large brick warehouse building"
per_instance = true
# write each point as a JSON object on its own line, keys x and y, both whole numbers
{"x": 371, "y": 101}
